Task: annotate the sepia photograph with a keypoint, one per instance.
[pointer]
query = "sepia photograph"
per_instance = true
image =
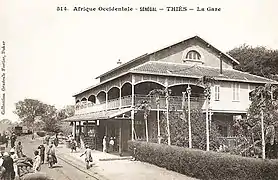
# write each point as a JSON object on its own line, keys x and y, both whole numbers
{"x": 138, "y": 90}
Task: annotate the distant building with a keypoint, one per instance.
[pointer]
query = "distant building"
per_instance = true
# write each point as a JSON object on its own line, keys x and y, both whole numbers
{"x": 110, "y": 105}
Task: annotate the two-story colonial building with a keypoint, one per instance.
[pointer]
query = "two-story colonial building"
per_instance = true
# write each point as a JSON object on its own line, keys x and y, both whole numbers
{"x": 110, "y": 106}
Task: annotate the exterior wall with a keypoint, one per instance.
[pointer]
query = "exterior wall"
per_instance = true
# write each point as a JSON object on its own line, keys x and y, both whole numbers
{"x": 226, "y": 102}
{"x": 177, "y": 55}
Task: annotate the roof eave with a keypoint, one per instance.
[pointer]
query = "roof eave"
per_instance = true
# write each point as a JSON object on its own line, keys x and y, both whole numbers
{"x": 197, "y": 77}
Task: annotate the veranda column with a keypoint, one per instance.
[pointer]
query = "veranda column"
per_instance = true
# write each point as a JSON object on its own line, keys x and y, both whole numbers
{"x": 120, "y": 98}
{"x": 262, "y": 126}
{"x": 74, "y": 129}
{"x": 132, "y": 106}
{"x": 189, "y": 118}
{"x": 120, "y": 137}
{"x": 207, "y": 94}
{"x": 106, "y": 101}
{"x": 158, "y": 123}
{"x": 167, "y": 113}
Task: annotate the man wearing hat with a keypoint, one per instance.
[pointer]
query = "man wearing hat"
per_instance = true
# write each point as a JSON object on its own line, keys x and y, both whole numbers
{"x": 8, "y": 164}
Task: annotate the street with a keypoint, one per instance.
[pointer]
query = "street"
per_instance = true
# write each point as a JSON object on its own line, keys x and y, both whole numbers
{"x": 60, "y": 171}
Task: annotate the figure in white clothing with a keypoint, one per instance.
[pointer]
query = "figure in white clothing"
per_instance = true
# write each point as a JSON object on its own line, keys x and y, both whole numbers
{"x": 111, "y": 144}
{"x": 37, "y": 162}
{"x": 14, "y": 157}
{"x": 104, "y": 147}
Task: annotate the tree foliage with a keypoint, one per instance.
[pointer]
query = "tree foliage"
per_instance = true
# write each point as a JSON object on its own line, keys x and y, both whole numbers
{"x": 256, "y": 60}
{"x": 41, "y": 116}
{"x": 264, "y": 98}
{"x": 179, "y": 130}
{"x": 28, "y": 110}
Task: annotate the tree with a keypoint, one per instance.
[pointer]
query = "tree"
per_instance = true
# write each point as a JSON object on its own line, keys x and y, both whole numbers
{"x": 62, "y": 114}
{"x": 39, "y": 115}
{"x": 49, "y": 119}
{"x": 264, "y": 101}
{"x": 28, "y": 110}
{"x": 256, "y": 60}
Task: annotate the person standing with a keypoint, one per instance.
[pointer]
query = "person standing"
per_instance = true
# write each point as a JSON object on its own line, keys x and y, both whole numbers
{"x": 8, "y": 164}
{"x": 14, "y": 157}
{"x": 88, "y": 158}
{"x": 18, "y": 149}
{"x": 42, "y": 152}
{"x": 33, "y": 135}
{"x": 104, "y": 144}
{"x": 52, "y": 154}
{"x": 6, "y": 139}
{"x": 13, "y": 139}
{"x": 37, "y": 162}
{"x": 111, "y": 144}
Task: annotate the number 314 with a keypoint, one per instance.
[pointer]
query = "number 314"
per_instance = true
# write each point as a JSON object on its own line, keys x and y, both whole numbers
{"x": 62, "y": 8}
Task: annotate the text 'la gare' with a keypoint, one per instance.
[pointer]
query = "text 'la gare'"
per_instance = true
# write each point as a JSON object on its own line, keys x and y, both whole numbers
{"x": 208, "y": 9}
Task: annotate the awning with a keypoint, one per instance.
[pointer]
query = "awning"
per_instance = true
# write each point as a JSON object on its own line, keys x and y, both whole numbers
{"x": 103, "y": 115}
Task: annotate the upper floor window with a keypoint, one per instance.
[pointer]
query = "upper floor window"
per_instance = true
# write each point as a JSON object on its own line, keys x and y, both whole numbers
{"x": 236, "y": 90}
{"x": 193, "y": 55}
{"x": 216, "y": 92}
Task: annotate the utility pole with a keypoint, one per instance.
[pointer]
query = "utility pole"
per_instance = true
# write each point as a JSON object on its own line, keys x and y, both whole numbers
{"x": 188, "y": 90}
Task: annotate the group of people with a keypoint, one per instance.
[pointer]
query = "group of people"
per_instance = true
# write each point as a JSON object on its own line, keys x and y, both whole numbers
{"x": 109, "y": 144}
{"x": 9, "y": 161}
{"x": 8, "y": 167}
{"x": 5, "y": 139}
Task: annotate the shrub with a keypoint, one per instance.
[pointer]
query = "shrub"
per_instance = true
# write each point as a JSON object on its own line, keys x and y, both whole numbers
{"x": 41, "y": 133}
{"x": 204, "y": 165}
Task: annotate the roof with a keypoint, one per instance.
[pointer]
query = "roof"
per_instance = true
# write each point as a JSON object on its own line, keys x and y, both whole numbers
{"x": 102, "y": 115}
{"x": 148, "y": 54}
{"x": 197, "y": 71}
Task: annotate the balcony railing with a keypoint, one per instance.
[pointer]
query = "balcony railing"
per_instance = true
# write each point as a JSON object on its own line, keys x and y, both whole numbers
{"x": 175, "y": 103}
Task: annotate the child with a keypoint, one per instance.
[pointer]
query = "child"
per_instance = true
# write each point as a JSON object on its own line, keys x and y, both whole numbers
{"x": 42, "y": 152}
{"x": 37, "y": 162}
{"x": 89, "y": 157}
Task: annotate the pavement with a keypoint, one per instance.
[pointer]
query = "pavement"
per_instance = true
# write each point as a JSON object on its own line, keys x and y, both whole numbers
{"x": 112, "y": 167}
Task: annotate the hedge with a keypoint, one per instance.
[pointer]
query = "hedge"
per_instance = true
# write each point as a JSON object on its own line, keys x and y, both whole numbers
{"x": 202, "y": 164}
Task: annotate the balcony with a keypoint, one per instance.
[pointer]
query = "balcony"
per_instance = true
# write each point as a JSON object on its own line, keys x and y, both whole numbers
{"x": 175, "y": 103}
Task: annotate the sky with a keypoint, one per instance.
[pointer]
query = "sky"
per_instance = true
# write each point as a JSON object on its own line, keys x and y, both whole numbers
{"x": 50, "y": 54}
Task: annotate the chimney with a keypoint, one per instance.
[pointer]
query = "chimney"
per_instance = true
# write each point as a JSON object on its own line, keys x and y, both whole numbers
{"x": 221, "y": 68}
{"x": 119, "y": 62}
